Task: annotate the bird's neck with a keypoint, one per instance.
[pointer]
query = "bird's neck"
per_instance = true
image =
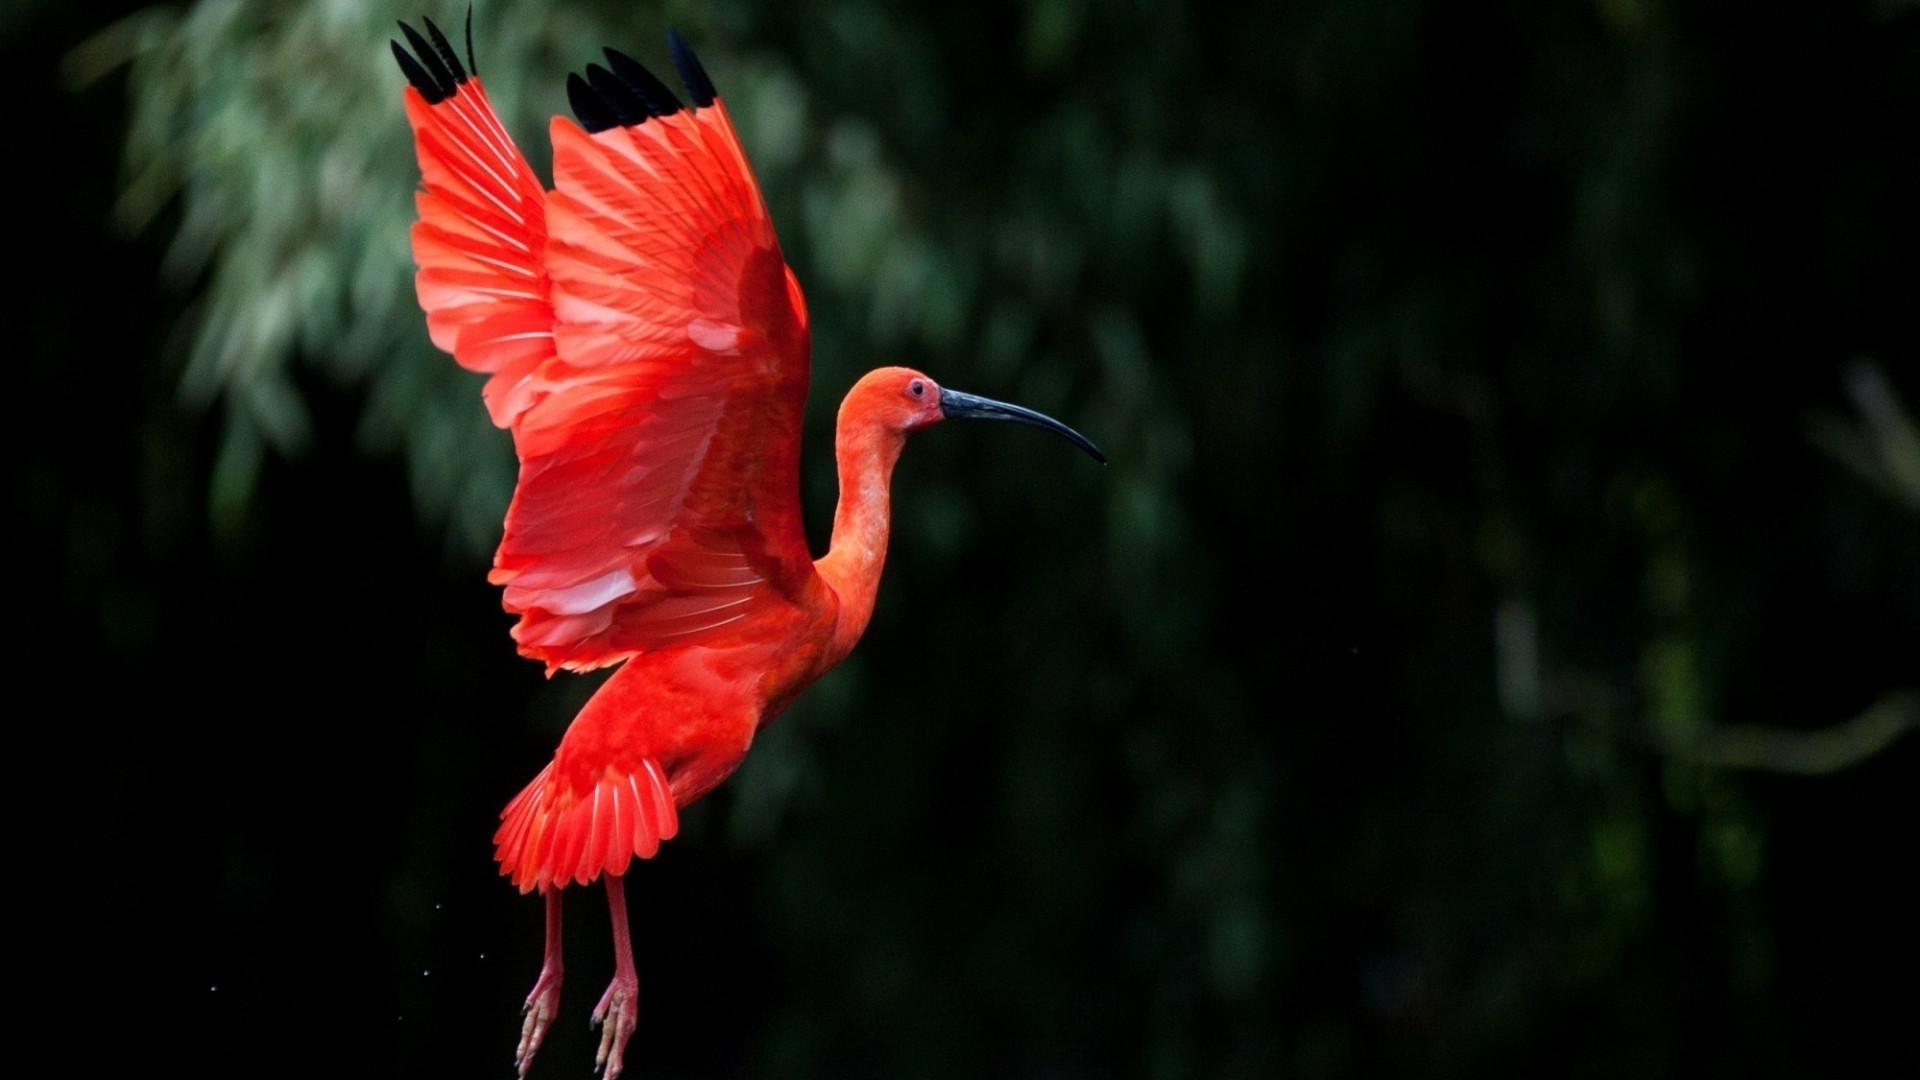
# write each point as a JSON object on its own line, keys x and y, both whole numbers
{"x": 867, "y": 453}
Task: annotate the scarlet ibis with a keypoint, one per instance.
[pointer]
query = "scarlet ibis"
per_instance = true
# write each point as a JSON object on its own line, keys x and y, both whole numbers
{"x": 646, "y": 344}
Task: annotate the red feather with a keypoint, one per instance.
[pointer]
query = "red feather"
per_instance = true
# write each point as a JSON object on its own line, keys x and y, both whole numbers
{"x": 646, "y": 344}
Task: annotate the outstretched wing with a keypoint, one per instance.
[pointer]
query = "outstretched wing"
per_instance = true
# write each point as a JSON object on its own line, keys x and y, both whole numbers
{"x": 658, "y": 499}
{"x": 480, "y": 243}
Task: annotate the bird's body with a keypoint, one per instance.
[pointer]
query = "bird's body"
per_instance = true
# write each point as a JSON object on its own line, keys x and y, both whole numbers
{"x": 647, "y": 346}
{"x": 678, "y": 719}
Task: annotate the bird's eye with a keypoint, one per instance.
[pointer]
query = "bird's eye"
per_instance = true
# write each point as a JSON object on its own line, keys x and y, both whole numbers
{"x": 917, "y": 388}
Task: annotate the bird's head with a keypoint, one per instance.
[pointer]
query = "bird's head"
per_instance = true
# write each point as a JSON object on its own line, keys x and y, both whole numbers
{"x": 902, "y": 400}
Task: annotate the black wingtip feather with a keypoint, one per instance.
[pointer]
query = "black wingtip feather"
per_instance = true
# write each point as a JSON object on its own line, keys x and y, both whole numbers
{"x": 699, "y": 85}
{"x": 471, "y": 66}
{"x": 420, "y": 79}
{"x": 593, "y": 114}
{"x": 447, "y": 55}
{"x": 652, "y": 93}
{"x": 431, "y": 68}
{"x": 616, "y": 96}
{"x": 630, "y": 94}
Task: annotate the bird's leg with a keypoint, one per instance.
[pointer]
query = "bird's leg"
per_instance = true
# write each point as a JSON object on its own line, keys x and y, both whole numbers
{"x": 620, "y": 1005}
{"x": 544, "y": 1002}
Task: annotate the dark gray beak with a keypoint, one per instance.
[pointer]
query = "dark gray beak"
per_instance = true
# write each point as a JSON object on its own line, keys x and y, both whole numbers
{"x": 958, "y": 406}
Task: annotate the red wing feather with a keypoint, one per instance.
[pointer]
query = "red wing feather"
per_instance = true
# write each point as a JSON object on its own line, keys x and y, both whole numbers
{"x": 647, "y": 346}
{"x": 659, "y": 476}
{"x": 480, "y": 244}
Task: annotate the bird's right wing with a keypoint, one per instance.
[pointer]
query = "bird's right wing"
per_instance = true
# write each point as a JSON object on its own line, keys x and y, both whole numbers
{"x": 647, "y": 346}
{"x": 658, "y": 501}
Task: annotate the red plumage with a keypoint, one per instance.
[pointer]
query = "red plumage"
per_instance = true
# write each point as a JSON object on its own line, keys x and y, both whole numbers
{"x": 646, "y": 345}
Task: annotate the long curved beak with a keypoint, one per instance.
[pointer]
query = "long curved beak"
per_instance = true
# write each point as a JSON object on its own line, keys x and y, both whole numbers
{"x": 958, "y": 406}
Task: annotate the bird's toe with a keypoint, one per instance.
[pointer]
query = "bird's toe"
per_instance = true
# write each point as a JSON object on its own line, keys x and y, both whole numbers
{"x": 616, "y": 1016}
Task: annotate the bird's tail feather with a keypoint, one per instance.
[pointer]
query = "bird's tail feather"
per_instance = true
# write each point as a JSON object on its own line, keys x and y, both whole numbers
{"x": 553, "y": 834}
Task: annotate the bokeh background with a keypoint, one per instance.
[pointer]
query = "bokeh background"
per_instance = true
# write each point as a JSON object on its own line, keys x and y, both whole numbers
{"x": 1494, "y": 649}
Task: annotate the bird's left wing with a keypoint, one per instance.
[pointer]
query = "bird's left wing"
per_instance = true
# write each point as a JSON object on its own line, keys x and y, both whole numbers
{"x": 658, "y": 500}
{"x": 481, "y": 239}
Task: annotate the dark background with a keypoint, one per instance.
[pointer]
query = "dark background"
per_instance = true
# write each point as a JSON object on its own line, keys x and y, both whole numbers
{"x": 1492, "y": 651}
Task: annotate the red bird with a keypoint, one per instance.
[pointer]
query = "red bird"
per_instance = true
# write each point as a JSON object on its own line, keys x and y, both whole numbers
{"x": 646, "y": 344}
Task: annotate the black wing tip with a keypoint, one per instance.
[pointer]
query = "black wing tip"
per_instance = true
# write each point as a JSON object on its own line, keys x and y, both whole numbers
{"x": 626, "y": 93}
{"x": 627, "y": 107}
{"x": 593, "y": 113}
{"x": 471, "y": 66}
{"x": 699, "y": 85}
{"x": 433, "y": 67}
{"x": 653, "y": 93}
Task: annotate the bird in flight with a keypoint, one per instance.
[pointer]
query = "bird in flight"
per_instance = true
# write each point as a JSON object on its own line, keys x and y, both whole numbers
{"x": 646, "y": 344}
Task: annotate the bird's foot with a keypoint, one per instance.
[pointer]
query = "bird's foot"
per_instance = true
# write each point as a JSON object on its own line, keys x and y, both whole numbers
{"x": 616, "y": 1016}
{"x": 539, "y": 1011}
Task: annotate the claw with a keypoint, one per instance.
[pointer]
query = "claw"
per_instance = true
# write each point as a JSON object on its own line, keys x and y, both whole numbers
{"x": 616, "y": 1016}
{"x": 539, "y": 1011}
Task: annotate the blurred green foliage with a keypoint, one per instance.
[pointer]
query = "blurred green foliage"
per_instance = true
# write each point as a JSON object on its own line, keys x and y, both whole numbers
{"x": 1489, "y": 652}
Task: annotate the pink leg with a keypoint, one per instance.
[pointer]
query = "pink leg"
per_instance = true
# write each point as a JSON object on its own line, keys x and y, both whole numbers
{"x": 620, "y": 1006}
{"x": 544, "y": 1002}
